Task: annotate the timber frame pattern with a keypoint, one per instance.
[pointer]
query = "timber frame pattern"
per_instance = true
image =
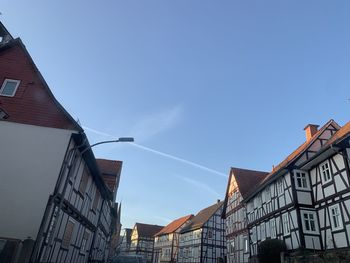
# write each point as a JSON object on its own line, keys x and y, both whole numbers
{"x": 304, "y": 201}
{"x": 77, "y": 223}
{"x": 203, "y": 241}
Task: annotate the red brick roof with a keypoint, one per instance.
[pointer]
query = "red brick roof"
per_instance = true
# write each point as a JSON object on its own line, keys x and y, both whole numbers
{"x": 110, "y": 171}
{"x": 33, "y": 102}
{"x": 146, "y": 230}
{"x": 173, "y": 226}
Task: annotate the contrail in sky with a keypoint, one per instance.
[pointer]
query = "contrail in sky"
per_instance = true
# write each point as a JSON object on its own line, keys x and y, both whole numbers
{"x": 166, "y": 155}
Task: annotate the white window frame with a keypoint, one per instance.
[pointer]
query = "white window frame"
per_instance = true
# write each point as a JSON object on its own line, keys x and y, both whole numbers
{"x": 324, "y": 181}
{"x": 273, "y": 228}
{"x": 340, "y": 219}
{"x": 286, "y": 224}
{"x": 306, "y": 178}
{"x": 280, "y": 187}
{"x": 4, "y": 84}
{"x": 303, "y": 221}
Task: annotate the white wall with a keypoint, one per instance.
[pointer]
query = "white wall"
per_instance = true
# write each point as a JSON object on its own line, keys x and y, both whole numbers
{"x": 30, "y": 161}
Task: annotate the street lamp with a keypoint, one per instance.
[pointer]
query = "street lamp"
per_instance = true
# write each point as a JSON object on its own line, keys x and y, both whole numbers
{"x": 121, "y": 139}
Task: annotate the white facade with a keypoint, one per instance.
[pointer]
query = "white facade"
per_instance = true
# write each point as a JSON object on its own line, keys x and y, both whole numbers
{"x": 30, "y": 154}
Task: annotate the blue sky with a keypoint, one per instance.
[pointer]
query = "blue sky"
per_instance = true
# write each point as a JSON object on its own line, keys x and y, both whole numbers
{"x": 201, "y": 85}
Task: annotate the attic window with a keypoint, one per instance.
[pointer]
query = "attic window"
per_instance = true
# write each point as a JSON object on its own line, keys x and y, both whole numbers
{"x": 9, "y": 87}
{"x": 3, "y": 114}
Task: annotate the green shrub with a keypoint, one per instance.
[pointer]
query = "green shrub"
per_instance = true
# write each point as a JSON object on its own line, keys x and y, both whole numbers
{"x": 270, "y": 250}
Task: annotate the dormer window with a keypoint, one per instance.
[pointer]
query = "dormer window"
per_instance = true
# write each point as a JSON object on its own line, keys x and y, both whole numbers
{"x": 9, "y": 87}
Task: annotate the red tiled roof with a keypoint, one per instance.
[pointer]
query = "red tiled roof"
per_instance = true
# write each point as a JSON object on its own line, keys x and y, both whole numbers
{"x": 247, "y": 179}
{"x": 146, "y": 230}
{"x": 33, "y": 102}
{"x": 173, "y": 226}
{"x": 202, "y": 217}
{"x": 340, "y": 134}
{"x": 110, "y": 171}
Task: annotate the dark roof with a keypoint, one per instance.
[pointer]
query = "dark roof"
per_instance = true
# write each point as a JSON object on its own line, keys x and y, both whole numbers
{"x": 173, "y": 226}
{"x": 33, "y": 102}
{"x": 110, "y": 171}
{"x": 202, "y": 217}
{"x": 146, "y": 230}
{"x": 247, "y": 179}
{"x": 127, "y": 234}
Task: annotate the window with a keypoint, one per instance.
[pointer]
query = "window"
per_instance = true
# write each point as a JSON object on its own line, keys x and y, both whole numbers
{"x": 273, "y": 228}
{"x": 336, "y": 220}
{"x": 67, "y": 234}
{"x": 9, "y": 87}
{"x": 210, "y": 234}
{"x": 83, "y": 182}
{"x": 326, "y": 173}
{"x": 263, "y": 232}
{"x": 232, "y": 246}
{"x": 97, "y": 198}
{"x": 309, "y": 221}
{"x": 253, "y": 234}
{"x": 84, "y": 241}
{"x": 267, "y": 194}
{"x": 280, "y": 187}
{"x": 246, "y": 245}
{"x": 301, "y": 181}
{"x": 285, "y": 220}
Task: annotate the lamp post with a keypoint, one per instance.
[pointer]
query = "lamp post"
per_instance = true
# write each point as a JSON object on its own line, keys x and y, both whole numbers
{"x": 121, "y": 139}
{"x": 61, "y": 196}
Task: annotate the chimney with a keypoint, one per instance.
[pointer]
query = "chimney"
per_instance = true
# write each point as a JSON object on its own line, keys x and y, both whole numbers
{"x": 310, "y": 131}
{"x": 218, "y": 201}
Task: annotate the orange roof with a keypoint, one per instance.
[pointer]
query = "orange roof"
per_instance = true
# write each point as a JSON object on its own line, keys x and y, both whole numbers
{"x": 298, "y": 151}
{"x": 340, "y": 134}
{"x": 173, "y": 226}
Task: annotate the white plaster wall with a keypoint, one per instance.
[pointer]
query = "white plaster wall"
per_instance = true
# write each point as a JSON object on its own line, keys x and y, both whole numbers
{"x": 304, "y": 198}
{"x": 30, "y": 161}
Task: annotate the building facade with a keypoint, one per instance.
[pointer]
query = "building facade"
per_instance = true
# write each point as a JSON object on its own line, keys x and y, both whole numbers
{"x": 304, "y": 201}
{"x": 62, "y": 201}
{"x": 142, "y": 240}
{"x": 235, "y": 212}
{"x": 166, "y": 241}
{"x": 203, "y": 239}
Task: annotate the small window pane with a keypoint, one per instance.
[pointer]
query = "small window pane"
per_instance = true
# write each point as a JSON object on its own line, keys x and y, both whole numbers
{"x": 9, "y": 87}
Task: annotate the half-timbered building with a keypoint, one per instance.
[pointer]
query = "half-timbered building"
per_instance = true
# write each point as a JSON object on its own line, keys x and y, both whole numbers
{"x": 142, "y": 240}
{"x": 61, "y": 201}
{"x": 125, "y": 241}
{"x": 203, "y": 239}
{"x": 300, "y": 201}
{"x": 166, "y": 241}
{"x": 239, "y": 185}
